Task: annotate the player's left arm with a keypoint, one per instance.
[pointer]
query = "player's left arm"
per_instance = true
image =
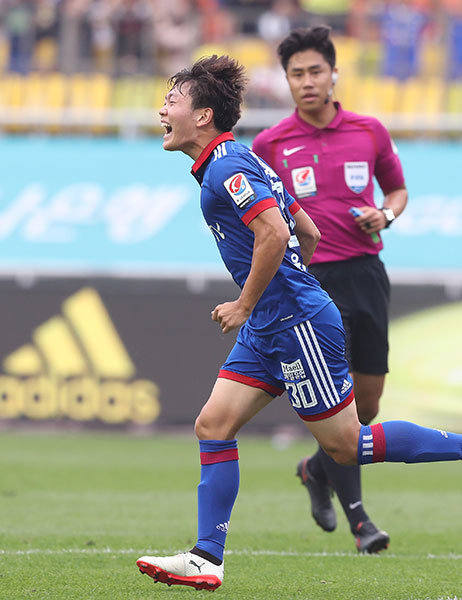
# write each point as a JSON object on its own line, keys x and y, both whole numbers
{"x": 271, "y": 236}
{"x": 389, "y": 174}
{"x": 307, "y": 233}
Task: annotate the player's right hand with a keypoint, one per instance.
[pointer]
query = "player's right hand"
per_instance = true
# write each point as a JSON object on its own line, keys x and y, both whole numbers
{"x": 230, "y": 315}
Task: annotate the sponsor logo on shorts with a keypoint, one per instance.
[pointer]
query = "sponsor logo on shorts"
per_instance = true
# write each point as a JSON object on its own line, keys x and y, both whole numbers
{"x": 293, "y": 371}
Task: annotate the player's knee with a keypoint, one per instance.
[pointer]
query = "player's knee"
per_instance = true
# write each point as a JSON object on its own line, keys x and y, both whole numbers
{"x": 202, "y": 428}
{"x": 208, "y": 428}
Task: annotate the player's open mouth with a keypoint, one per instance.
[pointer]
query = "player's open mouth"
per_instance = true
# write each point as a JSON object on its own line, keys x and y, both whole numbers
{"x": 167, "y": 128}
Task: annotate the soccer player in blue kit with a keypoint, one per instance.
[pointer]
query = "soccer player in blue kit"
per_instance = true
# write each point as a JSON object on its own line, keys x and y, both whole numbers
{"x": 291, "y": 336}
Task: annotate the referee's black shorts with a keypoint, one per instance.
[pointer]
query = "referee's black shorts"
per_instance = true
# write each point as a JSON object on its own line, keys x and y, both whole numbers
{"x": 361, "y": 290}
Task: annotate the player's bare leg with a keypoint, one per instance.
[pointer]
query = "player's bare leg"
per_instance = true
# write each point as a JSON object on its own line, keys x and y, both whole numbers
{"x": 230, "y": 406}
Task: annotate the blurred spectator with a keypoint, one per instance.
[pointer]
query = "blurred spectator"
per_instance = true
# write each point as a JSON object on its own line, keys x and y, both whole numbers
{"x": 175, "y": 29}
{"x": 283, "y": 16}
{"x": 102, "y": 34}
{"x": 454, "y": 38}
{"x": 19, "y": 25}
{"x": 126, "y": 37}
{"x": 218, "y": 24}
{"x": 46, "y": 34}
{"x": 403, "y": 24}
{"x": 71, "y": 22}
{"x": 133, "y": 31}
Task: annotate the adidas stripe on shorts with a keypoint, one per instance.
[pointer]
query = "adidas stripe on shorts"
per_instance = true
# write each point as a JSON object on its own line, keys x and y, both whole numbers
{"x": 307, "y": 360}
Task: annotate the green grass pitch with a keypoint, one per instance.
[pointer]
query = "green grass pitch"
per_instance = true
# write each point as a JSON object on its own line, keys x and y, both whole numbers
{"x": 77, "y": 510}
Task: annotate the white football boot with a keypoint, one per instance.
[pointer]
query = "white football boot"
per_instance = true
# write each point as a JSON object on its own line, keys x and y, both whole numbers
{"x": 183, "y": 569}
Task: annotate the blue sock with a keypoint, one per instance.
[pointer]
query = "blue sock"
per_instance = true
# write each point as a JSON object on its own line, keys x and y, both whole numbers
{"x": 401, "y": 441}
{"x": 216, "y": 493}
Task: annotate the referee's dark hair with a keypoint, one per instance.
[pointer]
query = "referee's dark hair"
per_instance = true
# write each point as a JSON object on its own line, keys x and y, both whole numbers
{"x": 216, "y": 82}
{"x": 314, "y": 38}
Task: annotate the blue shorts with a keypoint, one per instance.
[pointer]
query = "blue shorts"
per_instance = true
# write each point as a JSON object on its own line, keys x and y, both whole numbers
{"x": 307, "y": 360}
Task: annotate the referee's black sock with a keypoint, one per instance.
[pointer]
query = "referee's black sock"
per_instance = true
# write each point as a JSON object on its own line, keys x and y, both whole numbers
{"x": 346, "y": 482}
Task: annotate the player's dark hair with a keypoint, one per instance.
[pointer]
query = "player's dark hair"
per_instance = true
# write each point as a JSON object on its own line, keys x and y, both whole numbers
{"x": 314, "y": 38}
{"x": 216, "y": 82}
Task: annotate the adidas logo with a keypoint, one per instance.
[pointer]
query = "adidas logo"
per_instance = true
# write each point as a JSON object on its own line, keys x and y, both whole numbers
{"x": 76, "y": 367}
{"x": 223, "y": 527}
{"x": 346, "y": 386}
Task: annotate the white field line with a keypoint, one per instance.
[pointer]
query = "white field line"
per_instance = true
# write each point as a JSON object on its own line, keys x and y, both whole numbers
{"x": 154, "y": 552}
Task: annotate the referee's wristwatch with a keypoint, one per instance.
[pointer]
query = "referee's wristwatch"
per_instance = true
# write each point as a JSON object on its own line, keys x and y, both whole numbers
{"x": 389, "y": 215}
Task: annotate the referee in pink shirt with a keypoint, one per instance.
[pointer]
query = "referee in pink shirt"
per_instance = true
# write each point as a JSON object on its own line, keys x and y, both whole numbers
{"x": 327, "y": 158}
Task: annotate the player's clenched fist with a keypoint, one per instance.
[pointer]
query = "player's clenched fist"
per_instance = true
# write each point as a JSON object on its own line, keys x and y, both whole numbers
{"x": 230, "y": 315}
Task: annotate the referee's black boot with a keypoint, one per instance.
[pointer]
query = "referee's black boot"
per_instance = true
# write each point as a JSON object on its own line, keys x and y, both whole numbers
{"x": 321, "y": 494}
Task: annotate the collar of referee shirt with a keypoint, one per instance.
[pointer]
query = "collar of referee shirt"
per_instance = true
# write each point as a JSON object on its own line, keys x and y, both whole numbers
{"x": 199, "y": 166}
{"x": 332, "y": 125}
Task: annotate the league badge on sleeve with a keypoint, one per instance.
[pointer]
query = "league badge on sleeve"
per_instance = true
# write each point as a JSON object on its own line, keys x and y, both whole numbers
{"x": 356, "y": 175}
{"x": 304, "y": 182}
{"x": 239, "y": 189}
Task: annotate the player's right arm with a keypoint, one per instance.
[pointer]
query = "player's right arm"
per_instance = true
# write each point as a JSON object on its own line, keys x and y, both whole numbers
{"x": 308, "y": 235}
{"x": 271, "y": 236}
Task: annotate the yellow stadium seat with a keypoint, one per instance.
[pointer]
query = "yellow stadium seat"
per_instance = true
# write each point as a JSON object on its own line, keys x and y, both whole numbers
{"x": 159, "y": 91}
{"x": 11, "y": 91}
{"x": 78, "y": 91}
{"x": 348, "y": 52}
{"x": 454, "y": 98}
{"x": 209, "y": 50}
{"x": 348, "y": 91}
{"x": 33, "y": 91}
{"x": 410, "y": 96}
{"x": 90, "y": 96}
{"x": 56, "y": 90}
{"x": 90, "y": 91}
{"x": 432, "y": 60}
{"x": 101, "y": 91}
{"x": 121, "y": 93}
{"x": 433, "y": 96}
{"x": 251, "y": 52}
{"x": 389, "y": 91}
{"x": 369, "y": 101}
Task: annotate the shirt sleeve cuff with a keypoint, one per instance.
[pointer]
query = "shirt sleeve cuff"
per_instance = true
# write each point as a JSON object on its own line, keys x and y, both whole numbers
{"x": 294, "y": 207}
{"x": 258, "y": 208}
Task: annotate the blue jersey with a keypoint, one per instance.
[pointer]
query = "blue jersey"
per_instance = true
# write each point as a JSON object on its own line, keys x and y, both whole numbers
{"x": 237, "y": 186}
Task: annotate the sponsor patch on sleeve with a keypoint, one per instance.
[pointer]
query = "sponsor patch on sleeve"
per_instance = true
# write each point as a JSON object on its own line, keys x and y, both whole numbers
{"x": 239, "y": 189}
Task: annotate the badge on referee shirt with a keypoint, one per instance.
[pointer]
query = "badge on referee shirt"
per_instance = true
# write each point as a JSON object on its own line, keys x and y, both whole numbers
{"x": 356, "y": 175}
{"x": 304, "y": 182}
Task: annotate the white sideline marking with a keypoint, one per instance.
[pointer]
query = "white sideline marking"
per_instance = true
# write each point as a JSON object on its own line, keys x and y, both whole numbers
{"x": 155, "y": 552}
